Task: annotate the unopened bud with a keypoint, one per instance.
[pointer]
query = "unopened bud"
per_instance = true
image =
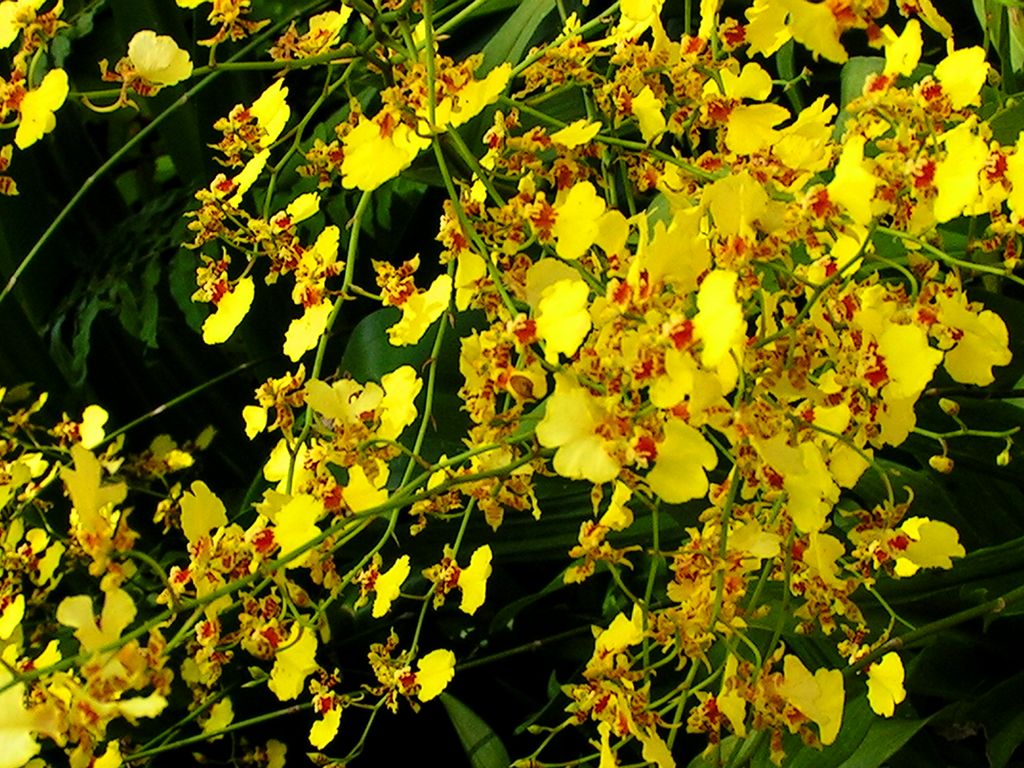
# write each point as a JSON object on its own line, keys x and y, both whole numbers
{"x": 1004, "y": 457}
{"x": 949, "y": 407}
{"x": 942, "y": 464}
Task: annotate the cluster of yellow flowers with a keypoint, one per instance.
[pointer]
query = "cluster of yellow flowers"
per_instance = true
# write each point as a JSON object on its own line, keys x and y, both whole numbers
{"x": 685, "y": 293}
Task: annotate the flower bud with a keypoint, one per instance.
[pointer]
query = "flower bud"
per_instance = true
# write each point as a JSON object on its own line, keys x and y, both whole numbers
{"x": 1004, "y": 457}
{"x": 949, "y": 407}
{"x": 942, "y": 464}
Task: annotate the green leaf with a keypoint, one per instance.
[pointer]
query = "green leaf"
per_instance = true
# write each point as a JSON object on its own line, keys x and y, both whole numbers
{"x": 83, "y": 331}
{"x": 855, "y": 73}
{"x": 511, "y": 41}
{"x": 864, "y": 741}
{"x": 182, "y": 281}
{"x": 505, "y": 618}
{"x": 1002, "y": 746}
{"x": 884, "y": 738}
{"x": 482, "y": 745}
{"x": 368, "y": 356}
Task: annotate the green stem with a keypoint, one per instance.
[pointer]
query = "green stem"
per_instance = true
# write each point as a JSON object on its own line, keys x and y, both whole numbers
{"x": 656, "y": 559}
{"x": 240, "y": 725}
{"x": 735, "y": 482}
{"x": 989, "y": 608}
{"x": 459, "y": 17}
{"x": 156, "y": 568}
{"x": 177, "y": 401}
{"x": 321, "y": 349}
{"x": 596, "y": 23}
{"x": 965, "y": 432}
{"x": 428, "y": 404}
{"x": 115, "y": 159}
{"x": 947, "y": 259}
{"x": 193, "y": 714}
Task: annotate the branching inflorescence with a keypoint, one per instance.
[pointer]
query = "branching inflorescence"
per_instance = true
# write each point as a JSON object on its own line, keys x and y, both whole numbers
{"x": 682, "y": 293}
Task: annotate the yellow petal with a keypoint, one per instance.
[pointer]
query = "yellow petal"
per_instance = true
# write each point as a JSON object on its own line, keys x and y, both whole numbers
{"x": 719, "y": 320}
{"x": 679, "y": 472}
{"x": 885, "y": 684}
{"x": 904, "y": 52}
{"x": 814, "y": 26}
{"x": 302, "y": 207}
{"x": 201, "y": 512}
{"x": 933, "y": 545}
{"x": 983, "y": 342}
{"x": 766, "y": 30}
{"x": 933, "y": 19}
{"x": 231, "y": 309}
{"x": 708, "y": 17}
{"x": 325, "y": 729}
{"x": 576, "y": 133}
{"x": 618, "y": 517}
{"x": 158, "y": 59}
{"x": 751, "y": 127}
{"x": 77, "y": 612}
{"x": 853, "y": 186}
{"x": 544, "y": 273}
{"x": 88, "y": 495}
{"x": 326, "y": 245}
{"x": 962, "y": 73}
{"x": 570, "y": 417}
{"x": 111, "y": 758}
{"x": 655, "y": 750}
{"x": 576, "y": 228}
{"x": 734, "y": 707}
{"x": 11, "y": 616}
{"x": 255, "y": 418}
{"x": 811, "y": 490}
{"x": 295, "y": 661}
{"x": 304, "y": 332}
{"x": 372, "y": 159}
{"x": 563, "y": 319}
{"x": 118, "y": 612}
{"x": 471, "y": 99}
{"x": 647, "y": 108}
{"x": 433, "y": 672}
{"x": 360, "y": 494}
{"x": 821, "y": 555}
{"x": 473, "y": 580}
{"x": 957, "y": 174}
{"x": 420, "y": 311}
{"x": 753, "y": 82}
{"x": 804, "y": 145}
{"x": 37, "y": 108}
{"x": 398, "y": 406}
{"x": 325, "y": 27}
{"x": 621, "y": 633}
{"x": 388, "y": 586}
{"x": 91, "y": 430}
{"x": 17, "y": 744}
{"x": 470, "y": 268}
{"x": 736, "y": 202}
{"x": 818, "y": 697}
{"x": 607, "y": 760}
{"x": 277, "y": 751}
{"x": 141, "y": 706}
{"x": 220, "y": 716}
{"x": 296, "y": 526}
{"x": 909, "y": 360}
{"x": 271, "y": 110}
{"x": 248, "y": 175}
